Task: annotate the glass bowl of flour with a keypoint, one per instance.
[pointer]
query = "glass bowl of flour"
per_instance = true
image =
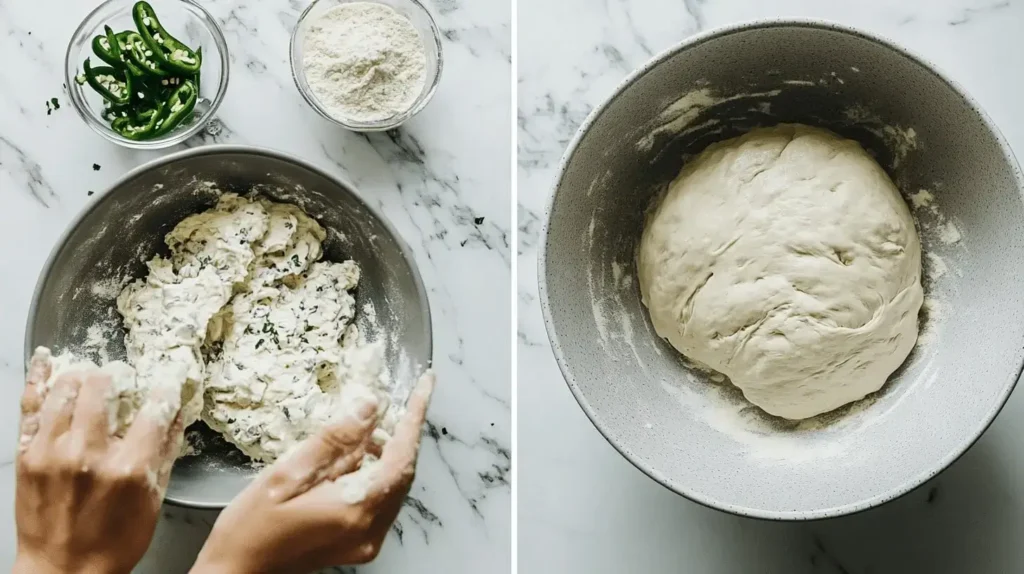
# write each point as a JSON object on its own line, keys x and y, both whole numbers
{"x": 367, "y": 66}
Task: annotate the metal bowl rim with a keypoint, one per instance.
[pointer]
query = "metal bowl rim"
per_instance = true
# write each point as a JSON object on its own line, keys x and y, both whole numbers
{"x": 692, "y": 493}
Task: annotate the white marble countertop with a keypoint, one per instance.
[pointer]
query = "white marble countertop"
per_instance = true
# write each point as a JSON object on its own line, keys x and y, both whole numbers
{"x": 443, "y": 180}
{"x": 584, "y": 508}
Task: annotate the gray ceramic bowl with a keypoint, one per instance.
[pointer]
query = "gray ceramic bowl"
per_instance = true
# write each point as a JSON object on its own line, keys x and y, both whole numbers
{"x": 698, "y": 437}
{"x": 124, "y": 227}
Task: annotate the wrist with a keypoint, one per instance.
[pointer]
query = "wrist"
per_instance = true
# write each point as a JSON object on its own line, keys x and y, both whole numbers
{"x": 25, "y": 563}
{"x": 28, "y": 565}
{"x": 206, "y": 565}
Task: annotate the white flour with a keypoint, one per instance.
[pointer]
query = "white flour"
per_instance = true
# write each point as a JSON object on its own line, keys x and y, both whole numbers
{"x": 364, "y": 61}
{"x": 106, "y": 289}
{"x": 932, "y": 221}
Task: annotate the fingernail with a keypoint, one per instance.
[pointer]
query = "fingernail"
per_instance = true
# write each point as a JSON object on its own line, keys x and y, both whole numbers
{"x": 429, "y": 379}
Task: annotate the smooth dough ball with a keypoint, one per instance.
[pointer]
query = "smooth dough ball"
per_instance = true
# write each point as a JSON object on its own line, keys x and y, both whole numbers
{"x": 786, "y": 260}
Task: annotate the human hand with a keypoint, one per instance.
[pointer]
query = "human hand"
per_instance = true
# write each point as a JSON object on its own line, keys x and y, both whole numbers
{"x": 87, "y": 501}
{"x": 313, "y": 508}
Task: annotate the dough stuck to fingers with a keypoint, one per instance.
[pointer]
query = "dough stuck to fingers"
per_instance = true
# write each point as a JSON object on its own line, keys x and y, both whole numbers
{"x": 32, "y": 397}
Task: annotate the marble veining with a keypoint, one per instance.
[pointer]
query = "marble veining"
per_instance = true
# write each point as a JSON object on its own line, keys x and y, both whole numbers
{"x": 581, "y": 506}
{"x": 442, "y": 180}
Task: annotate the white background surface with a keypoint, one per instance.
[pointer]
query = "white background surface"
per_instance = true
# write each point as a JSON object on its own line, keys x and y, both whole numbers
{"x": 582, "y": 507}
{"x": 448, "y": 167}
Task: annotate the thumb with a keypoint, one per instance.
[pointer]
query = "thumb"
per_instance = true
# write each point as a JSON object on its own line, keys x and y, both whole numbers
{"x": 170, "y": 451}
{"x": 335, "y": 450}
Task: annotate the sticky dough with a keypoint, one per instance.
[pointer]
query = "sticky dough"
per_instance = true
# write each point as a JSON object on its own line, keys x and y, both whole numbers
{"x": 786, "y": 260}
{"x": 244, "y": 327}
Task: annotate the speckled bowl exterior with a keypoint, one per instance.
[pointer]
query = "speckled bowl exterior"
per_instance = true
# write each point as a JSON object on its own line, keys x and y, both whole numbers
{"x": 694, "y": 435}
{"x": 125, "y": 225}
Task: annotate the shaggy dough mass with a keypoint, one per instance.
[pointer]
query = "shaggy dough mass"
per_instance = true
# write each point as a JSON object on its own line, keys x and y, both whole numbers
{"x": 786, "y": 260}
{"x": 249, "y": 328}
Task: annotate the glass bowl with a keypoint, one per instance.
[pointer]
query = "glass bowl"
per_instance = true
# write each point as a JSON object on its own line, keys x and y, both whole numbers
{"x": 187, "y": 21}
{"x": 429, "y": 35}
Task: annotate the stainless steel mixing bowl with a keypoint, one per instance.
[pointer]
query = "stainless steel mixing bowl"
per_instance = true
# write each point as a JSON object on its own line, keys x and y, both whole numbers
{"x": 125, "y": 225}
{"x": 697, "y": 437}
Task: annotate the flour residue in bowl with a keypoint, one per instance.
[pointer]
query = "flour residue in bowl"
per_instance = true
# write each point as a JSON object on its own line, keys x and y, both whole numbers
{"x": 900, "y": 141}
{"x": 937, "y": 267}
{"x": 97, "y": 340}
{"x": 932, "y": 222}
{"x": 677, "y": 117}
{"x": 721, "y": 410}
{"x": 612, "y": 318}
{"x": 940, "y": 237}
{"x": 108, "y": 288}
{"x": 769, "y": 440}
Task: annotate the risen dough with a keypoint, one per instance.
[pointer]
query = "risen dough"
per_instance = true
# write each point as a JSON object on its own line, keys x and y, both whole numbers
{"x": 786, "y": 260}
